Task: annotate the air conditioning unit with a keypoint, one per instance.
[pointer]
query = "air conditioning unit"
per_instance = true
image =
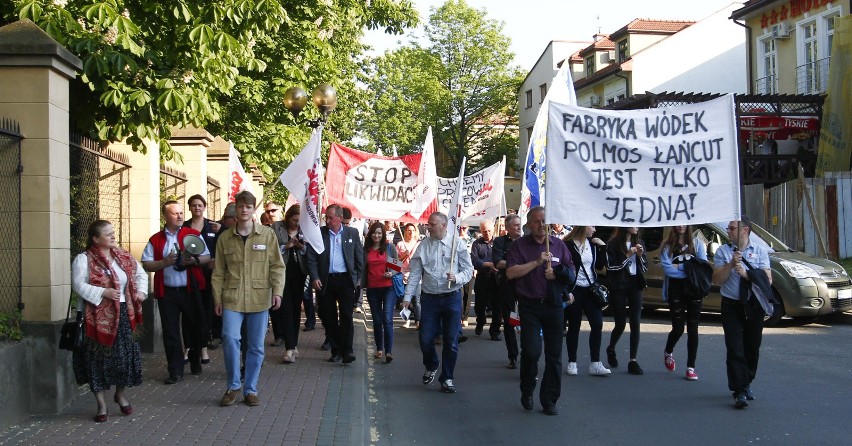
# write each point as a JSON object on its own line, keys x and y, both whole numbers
{"x": 781, "y": 31}
{"x": 609, "y": 57}
{"x": 595, "y": 100}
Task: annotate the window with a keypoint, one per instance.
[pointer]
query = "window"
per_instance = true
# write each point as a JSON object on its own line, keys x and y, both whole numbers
{"x": 619, "y": 97}
{"x": 590, "y": 65}
{"x": 529, "y": 98}
{"x": 767, "y": 83}
{"x": 529, "y": 135}
{"x": 816, "y": 35}
{"x": 542, "y": 92}
{"x": 811, "y": 55}
{"x": 622, "y": 51}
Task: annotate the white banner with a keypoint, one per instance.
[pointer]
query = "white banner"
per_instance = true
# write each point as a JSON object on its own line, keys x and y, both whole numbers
{"x": 482, "y": 194}
{"x": 653, "y": 167}
{"x": 303, "y": 178}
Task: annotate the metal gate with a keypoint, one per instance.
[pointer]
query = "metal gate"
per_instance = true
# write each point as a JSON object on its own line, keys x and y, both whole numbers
{"x": 10, "y": 209}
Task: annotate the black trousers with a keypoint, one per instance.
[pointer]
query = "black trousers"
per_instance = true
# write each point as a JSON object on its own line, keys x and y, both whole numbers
{"x": 507, "y": 300}
{"x": 743, "y": 334}
{"x": 180, "y": 309}
{"x": 541, "y": 323}
{"x": 485, "y": 291}
{"x": 336, "y": 303}
{"x": 584, "y": 302}
{"x": 291, "y": 309}
{"x": 624, "y": 303}
{"x": 683, "y": 310}
{"x": 310, "y": 308}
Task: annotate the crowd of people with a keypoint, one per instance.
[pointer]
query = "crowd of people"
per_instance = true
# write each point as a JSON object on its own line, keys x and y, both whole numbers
{"x": 253, "y": 273}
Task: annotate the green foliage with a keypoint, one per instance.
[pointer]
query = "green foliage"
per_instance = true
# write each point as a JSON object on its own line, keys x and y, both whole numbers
{"x": 10, "y": 326}
{"x": 461, "y": 82}
{"x": 224, "y": 65}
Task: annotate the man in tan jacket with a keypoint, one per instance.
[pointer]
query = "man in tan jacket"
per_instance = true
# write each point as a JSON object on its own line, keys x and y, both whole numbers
{"x": 248, "y": 267}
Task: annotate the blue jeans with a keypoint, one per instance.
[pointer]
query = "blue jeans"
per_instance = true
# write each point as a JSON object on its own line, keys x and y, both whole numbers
{"x": 255, "y": 332}
{"x": 440, "y": 311}
{"x": 382, "y": 304}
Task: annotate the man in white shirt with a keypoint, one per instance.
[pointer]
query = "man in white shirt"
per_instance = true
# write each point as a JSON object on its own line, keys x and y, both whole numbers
{"x": 442, "y": 270}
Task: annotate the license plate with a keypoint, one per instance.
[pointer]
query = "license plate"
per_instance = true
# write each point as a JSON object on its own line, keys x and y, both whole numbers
{"x": 844, "y": 294}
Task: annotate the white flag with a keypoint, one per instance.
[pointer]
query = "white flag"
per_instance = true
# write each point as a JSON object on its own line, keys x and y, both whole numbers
{"x": 237, "y": 176}
{"x": 303, "y": 179}
{"x": 456, "y": 209}
{"x": 427, "y": 178}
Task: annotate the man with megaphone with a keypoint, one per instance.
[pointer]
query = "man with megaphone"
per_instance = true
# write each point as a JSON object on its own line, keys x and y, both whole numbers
{"x": 175, "y": 256}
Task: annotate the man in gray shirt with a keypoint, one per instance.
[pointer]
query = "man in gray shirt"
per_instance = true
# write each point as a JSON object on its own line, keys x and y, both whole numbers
{"x": 442, "y": 270}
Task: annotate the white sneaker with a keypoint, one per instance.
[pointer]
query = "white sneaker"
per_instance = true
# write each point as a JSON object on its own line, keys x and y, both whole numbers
{"x": 571, "y": 370}
{"x": 597, "y": 368}
{"x": 407, "y": 324}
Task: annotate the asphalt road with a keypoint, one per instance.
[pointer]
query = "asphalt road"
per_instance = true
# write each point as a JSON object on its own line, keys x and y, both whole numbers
{"x": 803, "y": 393}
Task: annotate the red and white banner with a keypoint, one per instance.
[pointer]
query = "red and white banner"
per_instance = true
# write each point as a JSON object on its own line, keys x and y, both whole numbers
{"x": 303, "y": 178}
{"x": 482, "y": 194}
{"x": 238, "y": 178}
{"x": 373, "y": 186}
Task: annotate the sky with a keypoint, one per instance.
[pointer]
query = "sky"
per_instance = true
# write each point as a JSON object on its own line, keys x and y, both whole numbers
{"x": 532, "y": 24}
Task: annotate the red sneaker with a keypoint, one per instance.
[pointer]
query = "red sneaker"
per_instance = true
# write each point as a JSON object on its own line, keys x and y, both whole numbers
{"x": 669, "y": 361}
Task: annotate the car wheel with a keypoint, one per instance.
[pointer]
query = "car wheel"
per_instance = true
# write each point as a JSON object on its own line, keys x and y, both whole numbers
{"x": 777, "y": 313}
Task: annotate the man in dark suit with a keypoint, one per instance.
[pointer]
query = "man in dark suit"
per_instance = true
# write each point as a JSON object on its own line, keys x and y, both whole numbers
{"x": 335, "y": 273}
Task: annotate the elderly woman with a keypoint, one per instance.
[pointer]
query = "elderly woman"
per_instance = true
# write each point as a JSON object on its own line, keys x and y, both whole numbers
{"x": 113, "y": 285}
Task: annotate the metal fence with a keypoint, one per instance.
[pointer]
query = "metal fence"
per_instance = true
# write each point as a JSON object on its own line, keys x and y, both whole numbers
{"x": 100, "y": 190}
{"x": 10, "y": 215}
{"x": 213, "y": 197}
{"x": 172, "y": 185}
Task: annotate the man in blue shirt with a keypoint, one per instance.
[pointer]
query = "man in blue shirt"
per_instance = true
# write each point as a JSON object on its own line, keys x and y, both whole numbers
{"x": 742, "y": 315}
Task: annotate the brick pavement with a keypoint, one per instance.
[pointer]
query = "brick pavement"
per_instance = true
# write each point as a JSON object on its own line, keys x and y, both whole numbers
{"x": 309, "y": 402}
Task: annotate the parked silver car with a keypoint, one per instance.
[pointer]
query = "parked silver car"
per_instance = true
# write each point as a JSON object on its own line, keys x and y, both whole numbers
{"x": 806, "y": 285}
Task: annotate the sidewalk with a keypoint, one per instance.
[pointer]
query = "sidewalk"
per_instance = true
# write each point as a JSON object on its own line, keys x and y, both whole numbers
{"x": 309, "y": 402}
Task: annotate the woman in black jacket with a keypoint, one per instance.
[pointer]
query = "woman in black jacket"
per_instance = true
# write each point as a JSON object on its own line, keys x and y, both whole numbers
{"x": 588, "y": 254}
{"x": 626, "y": 265}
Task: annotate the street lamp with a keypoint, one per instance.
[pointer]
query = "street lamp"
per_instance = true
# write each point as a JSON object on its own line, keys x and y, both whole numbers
{"x": 324, "y": 98}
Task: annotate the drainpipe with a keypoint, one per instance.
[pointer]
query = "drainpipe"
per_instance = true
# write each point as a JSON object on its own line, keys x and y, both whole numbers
{"x": 627, "y": 83}
{"x": 749, "y": 56}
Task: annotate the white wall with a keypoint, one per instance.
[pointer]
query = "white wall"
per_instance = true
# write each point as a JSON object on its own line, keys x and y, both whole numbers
{"x": 707, "y": 57}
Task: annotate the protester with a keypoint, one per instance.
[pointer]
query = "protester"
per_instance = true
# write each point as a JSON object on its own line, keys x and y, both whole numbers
{"x": 678, "y": 248}
{"x": 626, "y": 266}
{"x": 273, "y": 211}
{"x": 285, "y": 320}
{"x": 587, "y": 254}
{"x": 405, "y": 248}
{"x": 485, "y": 285}
{"x": 335, "y": 275}
{"x": 441, "y": 269}
{"x": 541, "y": 266}
{"x": 247, "y": 281}
{"x": 737, "y": 266}
{"x": 178, "y": 282}
{"x": 380, "y": 293}
{"x": 505, "y": 287}
{"x": 208, "y": 229}
{"x": 112, "y": 285}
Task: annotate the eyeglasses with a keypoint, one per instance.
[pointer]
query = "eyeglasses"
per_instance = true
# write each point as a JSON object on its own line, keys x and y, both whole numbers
{"x": 272, "y": 211}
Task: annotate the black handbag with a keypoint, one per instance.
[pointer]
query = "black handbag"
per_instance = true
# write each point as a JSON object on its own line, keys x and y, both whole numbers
{"x": 71, "y": 336}
{"x": 599, "y": 292}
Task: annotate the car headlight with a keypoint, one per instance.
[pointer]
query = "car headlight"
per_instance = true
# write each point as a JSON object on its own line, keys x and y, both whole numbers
{"x": 799, "y": 271}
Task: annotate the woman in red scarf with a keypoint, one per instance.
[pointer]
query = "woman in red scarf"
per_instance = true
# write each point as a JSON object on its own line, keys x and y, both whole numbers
{"x": 112, "y": 285}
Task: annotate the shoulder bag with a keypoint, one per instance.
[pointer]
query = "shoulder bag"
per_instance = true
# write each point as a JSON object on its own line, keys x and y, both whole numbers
{"x": 599, "y": 292}
{"x": 396, "y": 280}
{"x": 71, "y": 337}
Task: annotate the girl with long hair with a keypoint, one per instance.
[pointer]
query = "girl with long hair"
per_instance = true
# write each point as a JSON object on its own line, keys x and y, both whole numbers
{"x": 380, "y": 295}
{"x": 626, "y": 266}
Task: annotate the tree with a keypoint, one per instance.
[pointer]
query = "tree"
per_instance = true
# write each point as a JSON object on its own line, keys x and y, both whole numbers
{"x": 150, "y": 65}
{"x": 461, "y": 82}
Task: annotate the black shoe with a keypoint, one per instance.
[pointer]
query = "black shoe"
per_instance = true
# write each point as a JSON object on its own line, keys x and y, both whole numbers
{"x": 335, "y": 358}
{"x": 429, "y": 376}
{"x": 478, "y": 331}
{"x": 348, "y": 358}
{"x": 633, "y": 368}
{"x": 308, "y": 329}
{"x": 527, "y": 401}
{"x": 496, "y": 338}
{"x": 749, "y": 395}
{"x": 513, "y": 364}
{"x": 550, "y": 409}
{"x": 462, "y": 338}
{"x": 447, "y": 386}
{"x": 326, "y": 346}
{"x": 195, "y": 369}
{"x": 611, "y": 358}
{"x": 174, "y": 379}
{"x": 740, "y": 401}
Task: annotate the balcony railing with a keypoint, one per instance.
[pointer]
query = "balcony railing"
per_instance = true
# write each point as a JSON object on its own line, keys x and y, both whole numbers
{"x": 770, "y": 170}
{"x": 766, "y": 85}
{"x": 811, "y": 78}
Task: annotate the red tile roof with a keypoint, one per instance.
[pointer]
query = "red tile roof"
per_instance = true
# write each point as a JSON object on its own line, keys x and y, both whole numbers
{"x": 602, "y": 44}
